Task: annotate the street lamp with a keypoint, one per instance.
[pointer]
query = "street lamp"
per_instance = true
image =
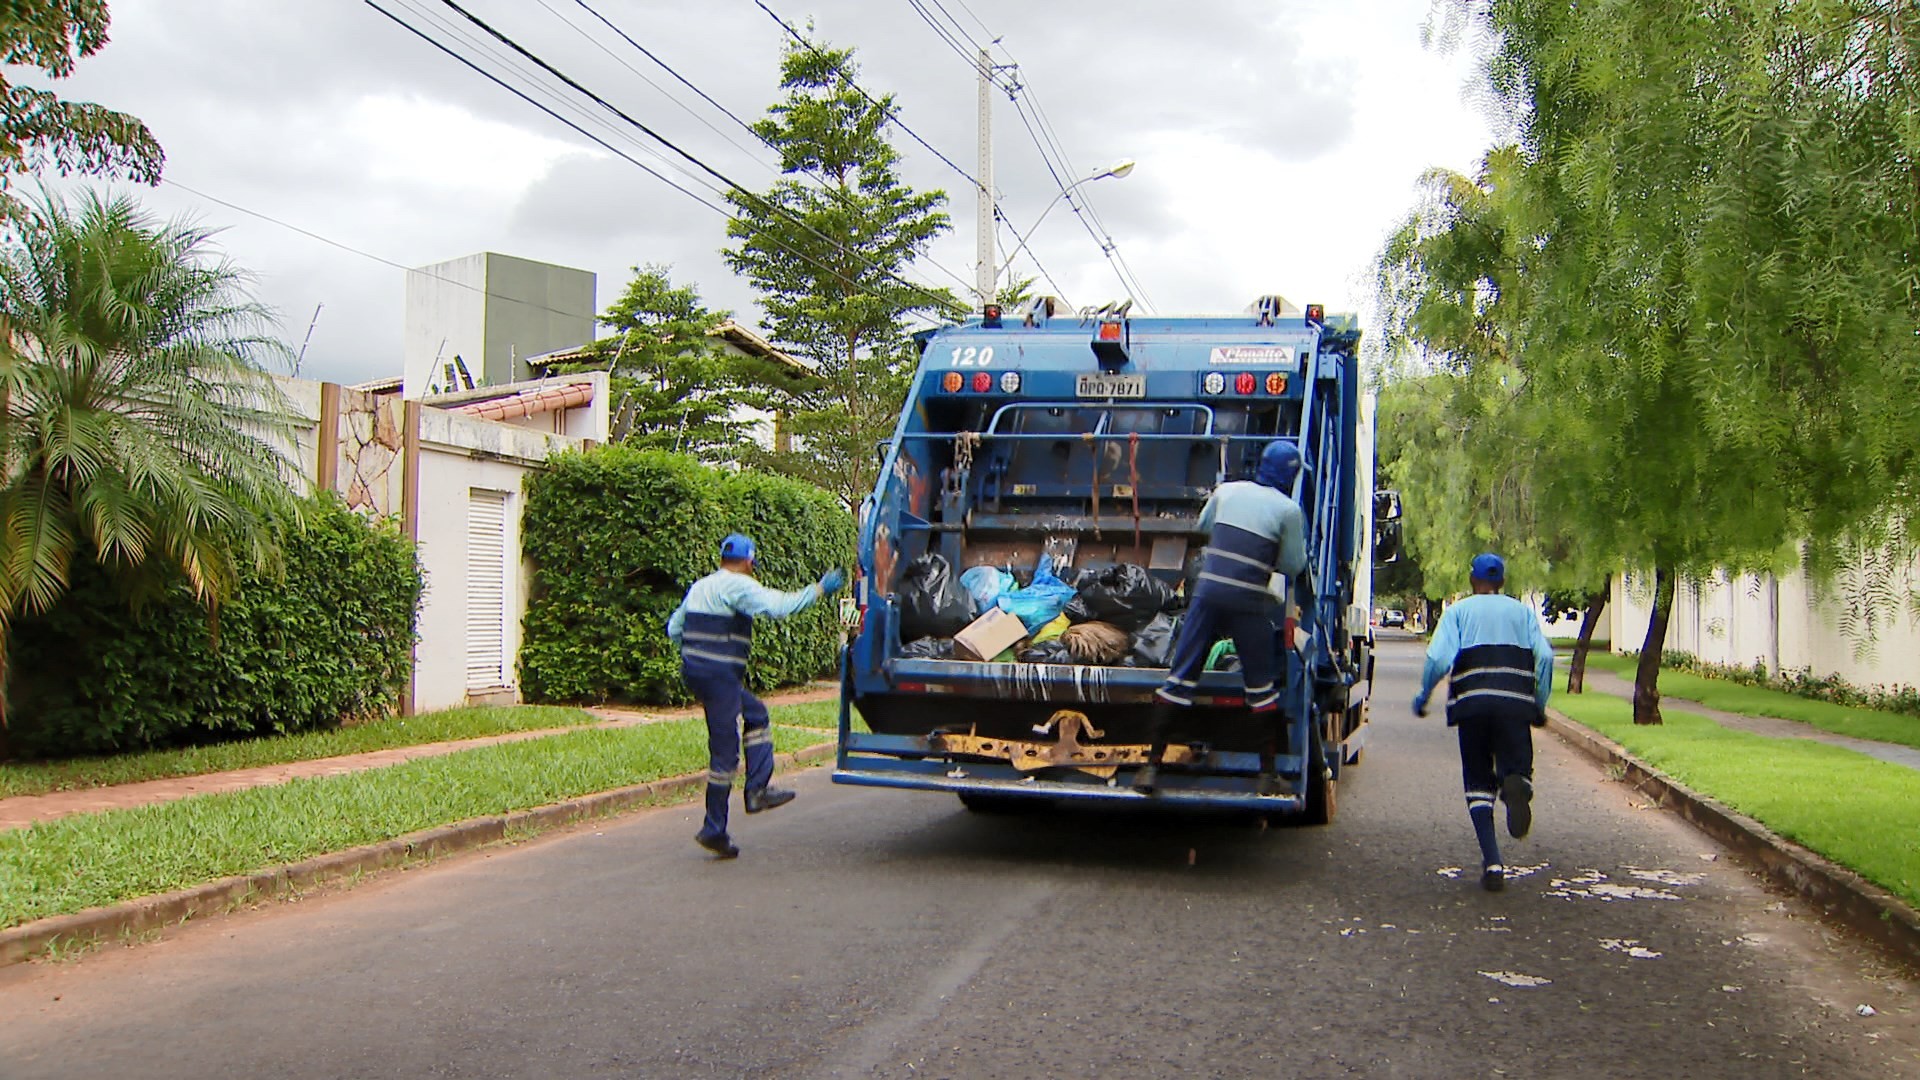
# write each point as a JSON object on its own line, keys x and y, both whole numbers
{"x": 1117, "y": 170}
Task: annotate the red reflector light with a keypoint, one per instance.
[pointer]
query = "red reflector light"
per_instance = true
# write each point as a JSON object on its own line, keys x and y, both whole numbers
{"x": 982, "y": 382}
{"x": 1110, "y": 331}
{"x": 1244, "y": 383}
{"x": 1286, "y": 635}
{"x": 911, "y": 687}
{"x": 1276, "y": 383}
{"x": 953, "y": 382}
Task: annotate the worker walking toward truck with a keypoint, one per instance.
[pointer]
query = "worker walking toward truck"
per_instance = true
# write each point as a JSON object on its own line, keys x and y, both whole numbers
{"x": 713, "y": 629}
{"x": 1501, "y": 670}
{"x": 1254, "y": 530}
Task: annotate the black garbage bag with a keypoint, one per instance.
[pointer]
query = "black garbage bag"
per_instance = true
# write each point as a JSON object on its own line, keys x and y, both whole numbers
{"x": 932, "y": 603}
{"x": 1122, "y": 594}
{"x": 1153, "y": 645}
{"x": 1048, "y": 652}
{"x": 929, "y": 648}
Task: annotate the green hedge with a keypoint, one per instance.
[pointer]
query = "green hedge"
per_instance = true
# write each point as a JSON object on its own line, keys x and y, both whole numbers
{"x": 617, "y": 535}
{"x": 328, "y": 639}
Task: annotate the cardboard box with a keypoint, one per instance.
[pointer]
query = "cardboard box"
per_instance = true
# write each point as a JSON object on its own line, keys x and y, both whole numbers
{"x": 988, "y": 636}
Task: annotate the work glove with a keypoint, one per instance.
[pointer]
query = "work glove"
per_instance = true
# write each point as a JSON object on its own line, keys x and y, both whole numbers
{"x": 1420, "y": 704}
{"x": 833, "y": 581}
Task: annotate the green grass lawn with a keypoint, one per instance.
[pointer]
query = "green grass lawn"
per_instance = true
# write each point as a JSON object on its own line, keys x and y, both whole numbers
{"x": 88, "y": 860}
{"x": 38, "y": 778}
{"x": 1757, "y": 701}
{"x": 1861, "y": 813}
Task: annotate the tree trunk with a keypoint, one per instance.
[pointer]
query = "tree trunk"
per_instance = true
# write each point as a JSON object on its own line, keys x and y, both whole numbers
{"x": 1577, "y": 671}
{"x": 1646, "y": 679}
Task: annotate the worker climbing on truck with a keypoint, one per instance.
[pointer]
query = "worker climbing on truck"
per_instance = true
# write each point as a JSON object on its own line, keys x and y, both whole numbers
{"x": 1500, "y": 671}
{"x": 1254, "y": 530}
{"x": 713, "y": 630}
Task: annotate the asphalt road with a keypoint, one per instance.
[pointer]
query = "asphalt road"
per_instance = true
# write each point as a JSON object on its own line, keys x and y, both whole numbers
{"x": 874, "y": 933}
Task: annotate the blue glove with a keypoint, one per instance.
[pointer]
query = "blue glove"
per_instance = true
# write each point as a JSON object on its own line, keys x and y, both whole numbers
{"x": 1420, "y": 704}
{"x": 833, "y": 581}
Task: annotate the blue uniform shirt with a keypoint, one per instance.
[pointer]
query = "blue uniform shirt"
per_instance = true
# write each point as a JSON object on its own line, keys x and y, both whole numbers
{"x": 1266, "y": 512}
{"x": 1488, "y": 619}
{"x": 728, "y": 593}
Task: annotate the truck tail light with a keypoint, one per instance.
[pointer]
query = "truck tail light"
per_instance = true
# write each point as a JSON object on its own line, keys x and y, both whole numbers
{"x": 1277, "y": 383}
{"x": 982, "y": 382}
{"x": 1010, "y": 382}
{"x": 1109, "y": 331}
{"x": 953, "y": 382}
{"x": 1244, "y": 383}
{"x": 1214, "y": 383}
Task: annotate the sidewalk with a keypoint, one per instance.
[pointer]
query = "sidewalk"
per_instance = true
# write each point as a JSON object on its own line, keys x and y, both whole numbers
{"x": 23, "y": 810}
{"x": 1607, "y": 682}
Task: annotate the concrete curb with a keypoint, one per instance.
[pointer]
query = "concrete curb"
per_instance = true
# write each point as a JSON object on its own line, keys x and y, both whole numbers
{"x": 1837, "y": 891}
{"x": 127, "y": 920}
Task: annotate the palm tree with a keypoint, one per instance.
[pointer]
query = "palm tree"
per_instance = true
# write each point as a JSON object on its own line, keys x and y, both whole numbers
{"x": 140, "y": 426}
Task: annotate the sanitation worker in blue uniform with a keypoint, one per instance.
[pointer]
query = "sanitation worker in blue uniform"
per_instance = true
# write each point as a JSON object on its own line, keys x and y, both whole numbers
{"x": 1254, "y": 530}
{"x": 713, "y": 629}
{"x": 1501, "y": 669}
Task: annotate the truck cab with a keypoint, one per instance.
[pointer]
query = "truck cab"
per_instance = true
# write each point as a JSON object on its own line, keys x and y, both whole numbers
{"x": 1080, "y": 441}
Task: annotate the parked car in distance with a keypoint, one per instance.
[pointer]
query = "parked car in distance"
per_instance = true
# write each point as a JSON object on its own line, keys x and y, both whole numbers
{"x": 1394, "y": 617}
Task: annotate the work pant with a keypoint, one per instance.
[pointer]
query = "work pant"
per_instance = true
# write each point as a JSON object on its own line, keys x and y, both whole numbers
{"x": 1254, "y": 638}
{"x": 727, "y": 702}
{"x": 1493, "y": 746}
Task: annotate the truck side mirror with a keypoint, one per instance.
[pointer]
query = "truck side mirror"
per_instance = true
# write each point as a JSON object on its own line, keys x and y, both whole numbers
{"x": 1386, "y": 542}
{"x": 1386, "y": 506}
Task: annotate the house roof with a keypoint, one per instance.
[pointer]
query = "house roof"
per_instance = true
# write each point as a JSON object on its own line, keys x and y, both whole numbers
{"x": 738, "y": 338}
{"x": 528, "y": 400}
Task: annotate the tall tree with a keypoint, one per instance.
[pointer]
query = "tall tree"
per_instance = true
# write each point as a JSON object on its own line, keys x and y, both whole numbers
{"x": 1720, "y": 202}
{"x": 37, "y": 128}
{"x": 140, "y": 422}
{"x": 827, "y": 246}
{"x": 675, "y": 387}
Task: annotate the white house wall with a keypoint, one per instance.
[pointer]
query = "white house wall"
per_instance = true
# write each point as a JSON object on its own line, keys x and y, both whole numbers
{"x": 1781, "y": 622}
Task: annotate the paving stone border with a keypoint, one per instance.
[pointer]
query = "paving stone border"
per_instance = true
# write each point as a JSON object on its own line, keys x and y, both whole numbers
{"x": 1837, "y": 891}
{"x": 130, "y": 919}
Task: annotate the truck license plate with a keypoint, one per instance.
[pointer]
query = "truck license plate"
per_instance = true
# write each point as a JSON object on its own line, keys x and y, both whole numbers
{"x": 1110, "y": 386}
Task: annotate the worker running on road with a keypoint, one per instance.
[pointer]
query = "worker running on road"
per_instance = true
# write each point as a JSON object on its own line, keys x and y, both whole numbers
{"x": 713, "y": 629}
{"x": 1254, "y": 529}
{"x": 1501, "y": 670}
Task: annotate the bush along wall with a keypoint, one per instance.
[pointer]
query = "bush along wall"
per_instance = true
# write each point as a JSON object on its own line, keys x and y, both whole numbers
{"x": 326, "y": 639}
{"x": 617, "y": 535}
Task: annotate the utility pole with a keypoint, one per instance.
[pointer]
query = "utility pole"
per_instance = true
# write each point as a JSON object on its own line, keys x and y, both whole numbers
{"x": 986, "y": 274}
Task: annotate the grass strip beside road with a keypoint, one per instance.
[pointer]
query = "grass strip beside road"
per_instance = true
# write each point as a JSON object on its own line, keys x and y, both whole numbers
{"x": 39, "y": 778}
{"x": 1734, "y": 697}
{"x": 88, "y": 860}
{"x": 1861, "y": 813}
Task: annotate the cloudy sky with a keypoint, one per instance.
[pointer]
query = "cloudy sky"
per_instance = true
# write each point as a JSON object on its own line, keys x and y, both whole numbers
{"x": 1277, "y": 141}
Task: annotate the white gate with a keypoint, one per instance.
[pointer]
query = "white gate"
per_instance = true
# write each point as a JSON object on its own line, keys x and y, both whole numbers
{"x": 486, "y": 589}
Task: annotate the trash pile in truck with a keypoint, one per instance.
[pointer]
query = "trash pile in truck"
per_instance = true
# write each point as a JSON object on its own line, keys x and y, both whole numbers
{"x": 1110, "y": 616}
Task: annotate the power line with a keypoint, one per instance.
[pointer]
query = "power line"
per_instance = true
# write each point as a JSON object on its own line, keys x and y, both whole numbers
{"x": 939, "y": 299}
{"x": 890, "y": 113}
{"x": 738, "y": 189}
{"x": 350, "y": 249}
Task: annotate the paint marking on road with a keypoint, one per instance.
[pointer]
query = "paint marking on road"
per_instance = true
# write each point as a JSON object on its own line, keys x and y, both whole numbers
{"x": 1630, "y": 946}
{"x": 1448, "y": 871}
{"x": 1514, "y": 978}
{"x": 1594, "y": 885}
{"x": 1666, "y": 877}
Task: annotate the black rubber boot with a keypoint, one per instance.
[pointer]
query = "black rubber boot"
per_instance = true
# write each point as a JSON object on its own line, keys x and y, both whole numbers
{"x": 1159, "y": 726}
{"x": 719, "y": 845}
{"x": 1517, "y": 792}
{"x": 767, "y": 798}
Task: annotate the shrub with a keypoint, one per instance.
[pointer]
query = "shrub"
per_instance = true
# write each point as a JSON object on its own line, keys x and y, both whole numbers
{"x": 327, "y": 640}
{"x": 617, "y": 535}
{"x": 1801, "y": 682}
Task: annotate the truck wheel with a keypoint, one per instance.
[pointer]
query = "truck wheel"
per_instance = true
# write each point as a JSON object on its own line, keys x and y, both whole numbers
{"x": 1322, "y": 801}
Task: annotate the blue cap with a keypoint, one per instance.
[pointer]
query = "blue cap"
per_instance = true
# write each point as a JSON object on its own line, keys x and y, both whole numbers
{"x": 1279, "y": 464}
{"x": 1489, "y": 567}
{"x": 737, "y": 546}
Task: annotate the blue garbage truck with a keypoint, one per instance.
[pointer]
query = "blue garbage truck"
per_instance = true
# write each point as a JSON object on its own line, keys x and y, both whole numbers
{"x": 1076, "y": 447}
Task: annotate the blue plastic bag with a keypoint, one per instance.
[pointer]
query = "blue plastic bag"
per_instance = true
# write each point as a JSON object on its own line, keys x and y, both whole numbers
{"x": 1040, "y": 602}
{"x": 985, "y": 584}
